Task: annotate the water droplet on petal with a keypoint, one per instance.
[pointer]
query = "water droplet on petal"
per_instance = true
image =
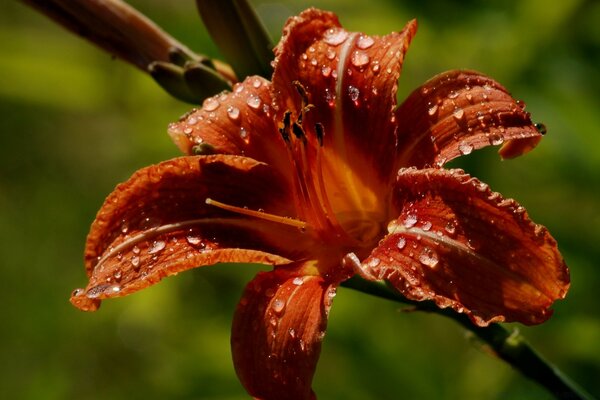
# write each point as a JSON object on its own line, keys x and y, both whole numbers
{"x": 243, "y": 133}
{"x": 298, "y": 281}
{"x": 364, "y": 42}
{"x": 541, "y": 128}
{"x": 233, "y": 113}
{"x": 452, "y": 94}
{"x": 354, "y": 93}
{"x": 428, "y": 257}
{"x": 450, "y": 228}
{"x": 496, "y": 140}
{"x": 257, "y": 83}
{"x": 359, "y": 59}
{"x": 401, "y": 243}
{"x": 193, "y": 240}
{"x": 432, "y": 110}
{"x": 253, "y": 101}
{"x": 373, "y": 262}
{"x": 210, "y": 104}
{"x": 157, "y": 246}
{"x": 427, "y": 226}
{"x": 326, "y": 71}
{"x": 136, "y": 250}
{"x": 335, "y": 36}
{"x": 465, "y": 148}
{"x": 292, "y": 332}
{"x": 278, "y": 305}
{"x": 458, "y": 114}
{"x": 410, "y": 220}
{"x": 330, "y": 54}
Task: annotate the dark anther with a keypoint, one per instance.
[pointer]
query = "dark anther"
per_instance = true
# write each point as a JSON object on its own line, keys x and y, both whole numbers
{"x": 302, "y": 92}
{"x": 541, "y": 128}
{"x": 320, "y": 132}
{"x": 284, "y": 135}
{"x": 298, "y": 131}
{"x": 287, "y": 117}
{"x": 203, "y": 149}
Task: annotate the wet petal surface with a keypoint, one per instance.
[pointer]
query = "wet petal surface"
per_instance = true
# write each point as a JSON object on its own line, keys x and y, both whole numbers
{"x": 277, "y": 333}
{"x": 460, "y": 244}
{"x": 457, "y": 112}
{"x": 158, "y": 224}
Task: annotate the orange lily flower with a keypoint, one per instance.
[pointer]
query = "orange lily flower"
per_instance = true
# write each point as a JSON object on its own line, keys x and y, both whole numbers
{"x": 321, "y": 175}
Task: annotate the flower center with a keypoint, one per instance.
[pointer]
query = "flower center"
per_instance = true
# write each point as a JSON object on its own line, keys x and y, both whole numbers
{"x": 330, "y": 197}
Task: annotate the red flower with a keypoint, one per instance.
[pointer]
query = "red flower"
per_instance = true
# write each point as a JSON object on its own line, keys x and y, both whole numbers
{"x": 320, "y": 175}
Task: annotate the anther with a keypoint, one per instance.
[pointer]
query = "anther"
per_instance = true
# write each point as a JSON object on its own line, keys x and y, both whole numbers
{"x": 298, "y": 131}
{"x": 320, "y": 132}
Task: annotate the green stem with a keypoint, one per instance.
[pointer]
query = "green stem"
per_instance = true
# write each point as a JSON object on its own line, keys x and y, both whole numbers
{"x": 509, "y": 346}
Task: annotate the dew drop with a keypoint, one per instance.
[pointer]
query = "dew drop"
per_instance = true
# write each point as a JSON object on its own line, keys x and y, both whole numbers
{"x": 427, "y": 226}
{"x": 401, "y": 243}
{"x": 253, "y": 101}
{"x": 375, "y": 67}
{"x": 136, "y": 250}
{"x": 330, "y": 54}
{"x": 496, "y": 140}
{"x": 210, "y": 104}
{"x": 458, "y": 114}
{"x": 541, "y": 128}
{"x": 335, "y": 36}
{"x": 326, "y": 71}
{"x": 238, "y": 88}
{"x": 354, "y": 93}
{"x": 233, "y": 113}
{"x": 359, "y": 59}
{"x": 243, "y": 133}
{"x": 469, "y": 96}
{"x": 157, "y": 246}
{"x": 115, "y": 288}
{"x": 257, "y": 83}
{"x": 329, "y": 97}
{"x": 410, "y": 220}
{"x": 452, "y": 94}
{"x": 269, "y": 292}
{"x": 278, "y": 305}
{"x": 373, "y": 262}
{"x": 364, "y": 42}
{"x": 450, "y": 228}
{"x": 188, "y": 130}
{"x": 298, "y": 281}
{"x": 292, "y": 332}
{"x": 193, "y": 240}
{"x": 432, "y": 110}
{"x": 465, "y": 148}
{"x": 117, "y": 274}
{"x": 429, "y": 258}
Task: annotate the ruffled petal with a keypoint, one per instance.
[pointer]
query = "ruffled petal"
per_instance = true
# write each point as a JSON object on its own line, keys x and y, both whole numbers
{"x": 462, "y": 245}
{"x": 240, "y": 123}
{"x": 351, "y": 79}
{"x": 457, "y": 112}
{"x": 277, "y": 332}
{"x": 158, "y": 224}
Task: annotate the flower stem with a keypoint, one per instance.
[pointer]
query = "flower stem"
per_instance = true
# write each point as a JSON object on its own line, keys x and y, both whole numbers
{"x": 509, "y": 346}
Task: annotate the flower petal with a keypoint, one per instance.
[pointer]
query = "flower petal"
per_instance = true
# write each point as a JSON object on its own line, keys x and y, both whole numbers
{"x": 240, "y": 123}
{"x": 277, "y": 332}
{"x": 351, "y": 79}
{"x": 462, "y": 245}
{"x": 457, "y": 112}
{"x": 157, "y": 224}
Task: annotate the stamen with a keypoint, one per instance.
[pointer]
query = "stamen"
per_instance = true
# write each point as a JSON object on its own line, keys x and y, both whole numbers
{"x": 257, "y": 214}
{"x": 320, "y": 132}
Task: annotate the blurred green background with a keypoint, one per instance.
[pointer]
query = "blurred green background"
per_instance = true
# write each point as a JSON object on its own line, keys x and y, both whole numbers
{"x": 74, "y": 123}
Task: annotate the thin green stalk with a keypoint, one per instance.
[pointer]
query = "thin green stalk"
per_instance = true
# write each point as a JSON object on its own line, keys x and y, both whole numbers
{"x": 509, "y": 346}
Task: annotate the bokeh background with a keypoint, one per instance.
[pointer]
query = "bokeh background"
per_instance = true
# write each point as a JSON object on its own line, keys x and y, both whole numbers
{"x": 75, "y": 122}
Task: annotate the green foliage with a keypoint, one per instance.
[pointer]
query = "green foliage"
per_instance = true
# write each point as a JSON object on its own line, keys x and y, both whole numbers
{"x": 74, "y": 123}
